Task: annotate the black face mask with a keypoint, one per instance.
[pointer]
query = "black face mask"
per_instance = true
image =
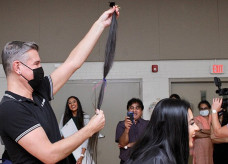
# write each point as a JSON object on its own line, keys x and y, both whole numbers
{"x": 38, "y": 75}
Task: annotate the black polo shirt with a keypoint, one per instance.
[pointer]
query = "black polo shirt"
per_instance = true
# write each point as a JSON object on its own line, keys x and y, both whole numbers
{"x": 19, "y": 116}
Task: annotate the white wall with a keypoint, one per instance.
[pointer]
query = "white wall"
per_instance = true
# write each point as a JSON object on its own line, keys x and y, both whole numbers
{"x": 155, "y": 85}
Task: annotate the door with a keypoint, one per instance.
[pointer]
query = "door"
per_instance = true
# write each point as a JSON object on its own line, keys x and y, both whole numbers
{"x": 195, "y": 90}
{"x": 117, "y": 93}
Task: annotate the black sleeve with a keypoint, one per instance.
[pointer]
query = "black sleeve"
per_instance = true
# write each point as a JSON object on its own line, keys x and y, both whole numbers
{"x": 15, "y": 121}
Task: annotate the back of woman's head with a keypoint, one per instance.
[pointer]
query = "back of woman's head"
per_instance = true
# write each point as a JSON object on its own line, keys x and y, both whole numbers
{"x": 167, "y": 130}
{"x": 174, "y": 96}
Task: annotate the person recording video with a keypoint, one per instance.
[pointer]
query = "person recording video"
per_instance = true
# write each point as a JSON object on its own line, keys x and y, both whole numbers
{"x": 220, "y": 131}
{"x": 217, "y": 106}
{"x": 219, "y": 124}
{"x": 128, "y": 131}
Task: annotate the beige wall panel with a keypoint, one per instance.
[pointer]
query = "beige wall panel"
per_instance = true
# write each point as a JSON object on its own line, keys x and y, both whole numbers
{"x": 19, "y": 20}
{"x": 63, "y": 24}
{"x": 223, "y": 28}
{"x": 188, "y": 29}
{"x": 138, "y": 37}
{"x": 148, "y": 29}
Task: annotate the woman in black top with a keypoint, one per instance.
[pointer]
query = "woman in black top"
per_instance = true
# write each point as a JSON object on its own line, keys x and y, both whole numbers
{"x": 168, "y": 135}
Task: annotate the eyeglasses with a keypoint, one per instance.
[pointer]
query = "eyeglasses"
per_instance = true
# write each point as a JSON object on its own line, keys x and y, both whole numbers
{"x": 137, "y": 107}
{"x": 206, "y": 108}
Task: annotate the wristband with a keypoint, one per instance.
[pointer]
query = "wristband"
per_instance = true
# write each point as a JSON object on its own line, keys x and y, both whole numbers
{"x": 125, "y": 147}
{"x": 82, "y": 155}
{"x": 214, "y": 111}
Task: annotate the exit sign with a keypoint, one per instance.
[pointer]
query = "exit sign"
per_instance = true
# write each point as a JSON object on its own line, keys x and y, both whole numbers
{"x": 217, "y": 68}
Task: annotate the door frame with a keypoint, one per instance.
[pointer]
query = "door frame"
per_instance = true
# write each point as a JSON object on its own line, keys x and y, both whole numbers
{"x": 96, "y": 81}
{"x": 194, "y": 80}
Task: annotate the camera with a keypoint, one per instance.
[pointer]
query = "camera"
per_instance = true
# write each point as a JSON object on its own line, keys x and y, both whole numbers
{"x": 222, "y": 92}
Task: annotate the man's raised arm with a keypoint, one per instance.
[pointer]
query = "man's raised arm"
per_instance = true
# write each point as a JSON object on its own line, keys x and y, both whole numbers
{"x": 80, "y": 53}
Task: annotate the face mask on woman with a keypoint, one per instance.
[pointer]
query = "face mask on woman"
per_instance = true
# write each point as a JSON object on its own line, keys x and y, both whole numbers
{"x": 204, "y": 112}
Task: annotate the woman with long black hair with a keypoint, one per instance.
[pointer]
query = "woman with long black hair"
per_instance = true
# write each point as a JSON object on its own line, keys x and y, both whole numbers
{"x": 168, "y": 135}
{"x": 74, "y": 110}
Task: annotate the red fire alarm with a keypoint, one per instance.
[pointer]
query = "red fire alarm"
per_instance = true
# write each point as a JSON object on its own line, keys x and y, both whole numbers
{"x": 154, "y": 68}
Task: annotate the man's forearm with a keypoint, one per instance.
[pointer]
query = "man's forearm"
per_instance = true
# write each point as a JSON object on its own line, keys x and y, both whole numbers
{"x": 65, "y": 147}
{"x": 124, "y": 139}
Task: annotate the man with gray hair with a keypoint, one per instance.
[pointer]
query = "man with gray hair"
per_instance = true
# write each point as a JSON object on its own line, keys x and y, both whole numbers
{"x": 28, "y": 126}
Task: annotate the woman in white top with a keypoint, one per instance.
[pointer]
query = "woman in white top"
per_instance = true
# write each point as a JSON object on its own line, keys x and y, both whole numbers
{"x": 74, "y": 110}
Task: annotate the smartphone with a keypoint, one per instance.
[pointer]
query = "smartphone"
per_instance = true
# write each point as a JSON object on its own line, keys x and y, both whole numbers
{"x": 131, "y": 115}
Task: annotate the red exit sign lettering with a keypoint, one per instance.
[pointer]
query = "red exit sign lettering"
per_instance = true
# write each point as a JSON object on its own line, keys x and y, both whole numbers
{"x": 217, "y": 68}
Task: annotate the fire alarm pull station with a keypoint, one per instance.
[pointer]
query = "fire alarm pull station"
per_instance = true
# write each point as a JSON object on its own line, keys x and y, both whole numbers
{"x": 154, "y": 68}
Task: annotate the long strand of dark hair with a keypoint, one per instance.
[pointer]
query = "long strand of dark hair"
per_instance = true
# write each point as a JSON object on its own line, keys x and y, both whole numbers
{"x": 109, "y": 54}
{"x": 109, "y": 57}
